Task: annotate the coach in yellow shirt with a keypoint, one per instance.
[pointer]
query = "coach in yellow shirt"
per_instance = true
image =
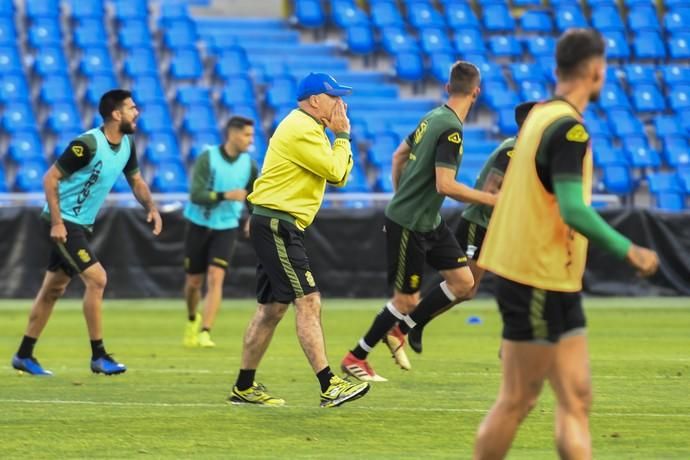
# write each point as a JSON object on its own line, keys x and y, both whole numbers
{"x": 286, "y": 197}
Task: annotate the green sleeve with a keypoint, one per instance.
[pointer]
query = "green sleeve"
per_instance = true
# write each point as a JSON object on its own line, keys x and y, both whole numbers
{"x": 250, "y": 184}
{"x": 200, "y": 193}
{"x": 585, "y": 220}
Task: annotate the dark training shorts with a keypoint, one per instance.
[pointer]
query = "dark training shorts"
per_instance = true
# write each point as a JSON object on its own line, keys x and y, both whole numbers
{"x": 205, "y": 246}
{"x": 470, "y": 236}
{"x": 75, "y": 255}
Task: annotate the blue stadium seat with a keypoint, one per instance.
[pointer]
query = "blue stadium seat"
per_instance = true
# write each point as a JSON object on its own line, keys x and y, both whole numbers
{"x": 598, "y": 128}
{"x": 536, "y": 21}
{"x": 232, "y": 62}
{"x": 460, "y": 16}
{"x": 609, "y": 156}
{"x": 623, "y": 123}
{"x": 121, "y": 185}
{"x": 309, "y": 13}
{"x": 10, "y": 62}
{"x": 14, "y": 87}
{"x": 505, "y": 46}
{"x": 169, "y": 177}
{"x": 533, "y": 91}
{"x": 199, "y": 118}
{"x": 35, "y": 9}
{"x": 91, "y": 32}
{"x": 647, "y": 98}
{"x": 98, "y": 85}
{"x": 180, "y": 34}
{"x": 357, "y": 181}
{"x": 360, "y": 39}
{"x": 640, "y": 73}
{"x": 96, "y": 61}
{"x": 345, "y": 14}
{"x": 527, "y": 3}
{"x": 669, "y": 201}
{"x": 678, "y": 20}
{"x": 674, "y": 74}
{"x": 8, "y": 35}
{"x": 380, "y": 152}
{"x": 25, "y": 145}
{"x": 173, "y": 11}
{"x": 45, "y": 32}
{"x": 505, "y": 120}
{"x": 616, "y": 45}
{"x": 613, "y": 97}
{"x": 134, "y": 33}
{"x": 667, "y": 125}
{"x": 140, "y": 62}
{"x": 409, "y": 66}
{"x": 640, "y": 154}
{"x": 154, "y": 117}
{"x": 18, "y": 116}
{"x": 63, "y": 140}
{"x": 521, "y": 72}
{"x": 29, "y": 176}
{"x": 127, "y": 9}
{"x": 541, "y": 46}
{"x": 249, "y": 111}
{"x": 202, "y": 139}
{"x": 676, "y": 150}
{"x": 63, "y": 116}
{"x": 422, "y": 15}
{"x": 435, "y": 40}
{"x": 395, "y": 40}
{"x": 50, "y": 60}
{"x": 617, "y": 179}
{"x": 186, "y": 64}
{"x": 161, "y": 146}
{"x": 192, "y": 94}
{"x": 497, "y": 18}
{"x": 648, "y": 45}
{"x": 7, "y": 9}
{"x": 679, "y": 46}
{"x": 684, "y": 116}
{"x": 441, "y": 64}
{"x": 282, "y": 91}
{"x": 679, "y": 97}
{"x": 643, "y": 17}
{"x": 684, "y": 176}
{"x": 56, "y": 88}
{"x": 386, "y": 14}
{"x": 499, "y": 96}
{"x": 87, "y": 9}
{"x": 663, "y": 182}
{"x": 569, "y": 16}
{"x": 239, "y": 90}
{"x": 490, "y": 71}
{"x": 148, "y": 89}
{"x": 607, "y": 17}
{"x": 469, "y": 41}
{"x": 384, "y": 181}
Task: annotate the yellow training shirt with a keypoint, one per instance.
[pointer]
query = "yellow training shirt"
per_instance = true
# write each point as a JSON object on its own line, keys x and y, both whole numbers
{"x": 298, "y": 163}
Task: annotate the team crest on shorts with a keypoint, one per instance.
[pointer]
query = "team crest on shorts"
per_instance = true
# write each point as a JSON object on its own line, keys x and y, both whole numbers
{"x": 84, "y": 255}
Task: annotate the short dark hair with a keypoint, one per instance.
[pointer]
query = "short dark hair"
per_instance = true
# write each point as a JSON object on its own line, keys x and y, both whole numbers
{"x": 522, "y": 110}
{"x": 574, "y": 48}
{"x": 112, "y": 100}
{"x": 464, "y": 77}
{"x": 237, "y": 122}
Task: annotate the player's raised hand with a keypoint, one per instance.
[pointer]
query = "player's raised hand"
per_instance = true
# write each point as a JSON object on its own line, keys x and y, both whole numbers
{"x": 58, "y": 233}
{"x": 644, "y": 260}
{"x": 155, "y": 217}
{"x": 338, "y": 121}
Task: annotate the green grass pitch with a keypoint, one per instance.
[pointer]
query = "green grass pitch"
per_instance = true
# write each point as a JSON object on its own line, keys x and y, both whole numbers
{"x": 170, "y": 404}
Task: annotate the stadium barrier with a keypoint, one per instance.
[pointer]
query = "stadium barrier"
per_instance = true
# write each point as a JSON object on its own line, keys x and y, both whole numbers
{"x": 346, "y": 248}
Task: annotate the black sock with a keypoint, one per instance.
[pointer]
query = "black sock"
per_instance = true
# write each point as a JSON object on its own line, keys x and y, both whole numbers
{"x": 383, "y": 323}
{"x": 245, "y": 379}
{"x": 205, "y": 329}
{"x": 433, "y": 304}
{"x": 192, "y": 317}
{"x": 97, "y": 349}
{"x": 26, "y": 348}
{"x": 324, "y": 376}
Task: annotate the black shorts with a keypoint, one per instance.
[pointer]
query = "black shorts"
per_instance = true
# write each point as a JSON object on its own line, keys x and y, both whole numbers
{"x": 205, "y": 246}
{"x": 75, "y": 255}
{"x": 470, "y": 236}
{"x": 282, "y": 271}
{"x": 407, "y": 251}
{"x": 531, "y": 314}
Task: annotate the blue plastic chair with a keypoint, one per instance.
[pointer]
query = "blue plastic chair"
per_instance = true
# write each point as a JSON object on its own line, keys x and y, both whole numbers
{"x": 386, "y": 14}
{"x": 45, "y": 32}
{"x": 186, "y": 64}
{"x": 29, "y": 176}
{"x": 96, "y": 61}
{"x": 147, "y": 90}
{"x": 180, "y": 34}
{"x": 536, "y": 21}
{"x": 667, "y": 125}
{"x": 647, "y": 98}
{"x": 499, "y": 96}
{"x": 140, "y": 62}
{"x": 623, "y": 123}
{"x": 360, "y": 39}
{"x": 422, "y": 15}
{"x": 35, "y": 9}
{"x": 497, "y": 18}
{"x": 435, "y": 41}
{"x": 521, "y": 72}
{"x": 87, "y": 9}
{"x": 460, "y": 16}
{"x": 676, "y": 150}
{"x": 643, "y": 17}
{"x": 232, "y": 62}
{"x": 18, "y": 116}
{"x": 674, "y": 74}
{"x": 356, "y": 181}
{"x": 616, "y": 45}
{"x": 607, "y": 156}
{"x": 282, "y": 91}
{"x": 505, "y": 46}
{"x": 134, "y": 33}
{"x": 25, "y": 145}
{"x": 539, "y": 46}
{"x": 679, "y": 97}
{"x": 384, "y": 181}
{"x": 440, "y": 66}
{"x": 505, "y": 120}
{"x": 309, "y": 13}
{"x": 469, "y": 41}
{"x": 64, "y": 116}
{"x": 533, "y": 91}
{"x": 380, "y": 153}
{"x": 192, "y": 94}
{"x": 50, "y": 60}
{"x": 14, "y": 87}
{"x": 173, "y": 11}
{"x": 613, "y": 97}
{"x": 669, "y": 201}
{"x": 56, "y": 88}
{"x": 162, "y": 146}
{"x": 345, "y": 14}
{"x": 607, "y": 17}
{"x": 63, "y": 140}
{"x": 202, "y": 139}
{"x": 396, "y": 40}
{"x": 7, "y": 9}
{"x": 677, "y": 20}
{"x": 154, "y": 117}
{"x": 127, "y": 9}
{"x": 170, "y": 177}
{"x": 409, "y": 66}
{"x": 617, "y": 179}
{"x": 639, "y": 152}
{"x": 98, "y": 85}
{"x": 89, "y": 33}
{"x": 648, "y": 45}
{"x": 679, "y": 46}
{"x": 199, "y": 118}
{"x": 640, "y": 73}
{"x": 490, "y": 71}
{"x": 8, "y": 33}
{"x": 239, "y": 90}
{"x": 569, "y": 16}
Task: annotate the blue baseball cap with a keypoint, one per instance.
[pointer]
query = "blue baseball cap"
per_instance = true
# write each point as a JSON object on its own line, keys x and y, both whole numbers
{"x": 320, "y": 83}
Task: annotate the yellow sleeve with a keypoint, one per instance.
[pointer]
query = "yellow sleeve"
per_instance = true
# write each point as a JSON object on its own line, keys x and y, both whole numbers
{"x": 312, "y": 151}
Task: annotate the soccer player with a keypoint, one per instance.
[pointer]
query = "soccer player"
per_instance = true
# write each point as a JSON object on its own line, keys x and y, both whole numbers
{"x": 223, "y": 176}
{"x": 76, "y": 187}
{"x": 536, "y": 244}
{"x": 472, "y": 226}
{"x": 424, "y": 170}
{"x": 299, "y": 162}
